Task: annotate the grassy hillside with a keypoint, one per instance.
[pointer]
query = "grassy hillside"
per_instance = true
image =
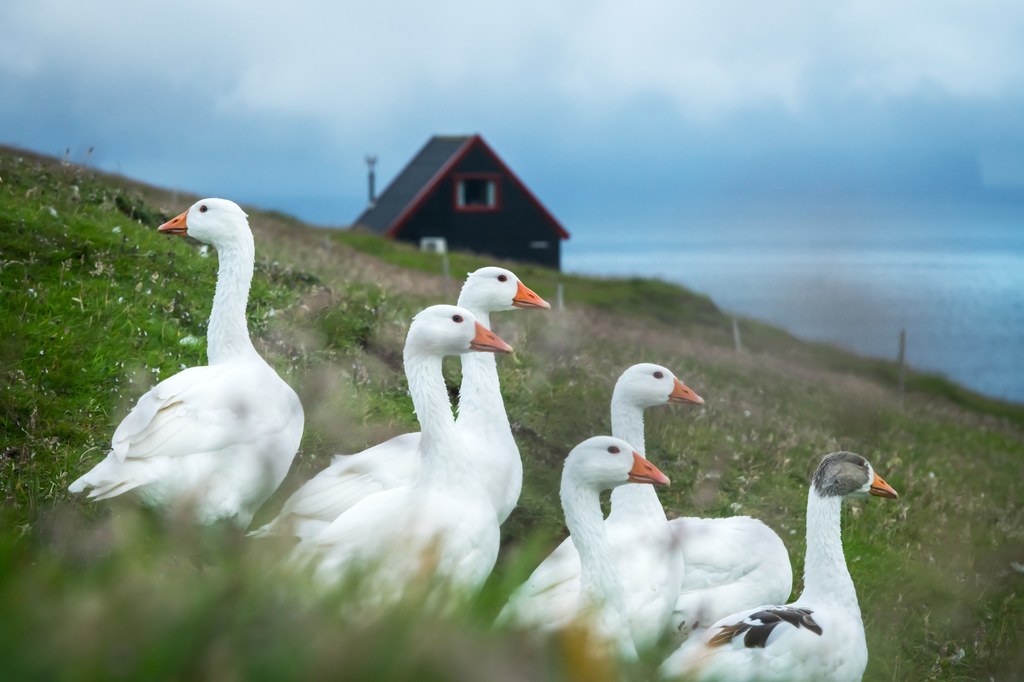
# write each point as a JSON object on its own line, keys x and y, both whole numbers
{"x": 95, "y": 307}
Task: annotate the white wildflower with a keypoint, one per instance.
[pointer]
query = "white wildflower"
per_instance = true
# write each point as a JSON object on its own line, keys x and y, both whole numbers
{"x": 735, "y": 506}
{"x": 52, "y": 211}
{"x": 117, "y": 229}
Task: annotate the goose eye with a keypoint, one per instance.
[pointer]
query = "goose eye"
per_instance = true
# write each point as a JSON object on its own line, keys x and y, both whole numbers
{"x": 457, "y": 319}
{"x": 502, "y": 278}
{"x": 202, "y": 208}
{"x": 614, "y": 449}
{"x": 659, "y": 375}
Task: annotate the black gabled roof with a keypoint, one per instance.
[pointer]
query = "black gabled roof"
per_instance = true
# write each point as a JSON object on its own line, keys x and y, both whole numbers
{"x": 414, "y": 178}
{"x": 418, "y": 179}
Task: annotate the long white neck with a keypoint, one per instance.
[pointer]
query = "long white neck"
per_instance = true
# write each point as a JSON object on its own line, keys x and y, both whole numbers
{"x": 481, "y": 407}
{"x": 599, "y": 579}
{"x": 444, "y": 459}
{"x": 632, "y": 501}
{"x": 583, "y": 517}
{"x": 227, "y": 335}
{"x": 825, "y": 572}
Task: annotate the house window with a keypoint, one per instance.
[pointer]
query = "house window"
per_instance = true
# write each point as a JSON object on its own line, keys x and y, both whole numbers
{"x": 476, "y": 193}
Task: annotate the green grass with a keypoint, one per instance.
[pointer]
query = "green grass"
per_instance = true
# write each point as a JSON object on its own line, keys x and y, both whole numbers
{"x": 96, "y": 307}
{"x": 633, "y": 297}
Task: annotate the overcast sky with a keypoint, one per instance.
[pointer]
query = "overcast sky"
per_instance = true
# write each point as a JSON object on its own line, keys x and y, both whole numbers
{"x": 646, "y": 112}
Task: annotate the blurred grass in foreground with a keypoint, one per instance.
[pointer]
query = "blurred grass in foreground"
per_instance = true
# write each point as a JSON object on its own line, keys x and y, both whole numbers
{"x": 95, "y": 307}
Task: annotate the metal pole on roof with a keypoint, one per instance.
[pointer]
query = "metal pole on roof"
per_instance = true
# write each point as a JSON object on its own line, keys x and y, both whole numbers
{"x": 371, "y": 161}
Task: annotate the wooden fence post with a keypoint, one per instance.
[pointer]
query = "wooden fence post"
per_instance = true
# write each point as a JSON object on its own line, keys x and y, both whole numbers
{"x": 902, "y": 360}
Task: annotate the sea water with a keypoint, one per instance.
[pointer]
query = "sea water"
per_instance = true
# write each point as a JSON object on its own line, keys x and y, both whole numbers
{"x": 956, "y": 287}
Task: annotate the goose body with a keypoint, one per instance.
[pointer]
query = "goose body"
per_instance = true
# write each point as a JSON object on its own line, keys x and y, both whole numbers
{"x": 731, "y": 563}
{"x": 482, "y": 422}
{"x": 217, "y": 438}
{"x": 820, "y": 636}
{"x": 640, "y": 541}
{"x": 599, "y": 601}
{"x": 443, "y": 525}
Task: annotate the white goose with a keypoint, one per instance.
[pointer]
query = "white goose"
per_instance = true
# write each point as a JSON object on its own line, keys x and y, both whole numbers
{"x": 726, "y": 564}
{"x": 443, "y": 526}
{"x": 219, "y": 438}
{"x": 820, "y": 636}
{"x": 482, "y": 421}
{"x": 731, "y": 563}
{"x": 596, "y": 464}
{"x": 639, "y": 538}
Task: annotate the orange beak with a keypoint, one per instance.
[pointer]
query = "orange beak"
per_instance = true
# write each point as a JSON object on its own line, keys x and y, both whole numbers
{"x": 681, "y": 393}
{"x": 487, "y": 341}
{"x": 881, "y": 488}
{"x": 525, "y": 298}
{"x": 176, "y": 225}
{"x": 645, "y": 472}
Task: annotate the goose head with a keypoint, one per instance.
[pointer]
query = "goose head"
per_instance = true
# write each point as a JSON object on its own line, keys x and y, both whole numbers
{"x": 494, "y": 289}
{"x": 846, "y": 474}
{"x": 451, "y": 330}
{"x": 216, "y": 222}
{"x": 605, "y": 462}
{"x": 646, "y": 385}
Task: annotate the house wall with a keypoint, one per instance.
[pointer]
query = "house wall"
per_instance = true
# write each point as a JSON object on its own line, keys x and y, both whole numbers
{"x": 513, "y": 232}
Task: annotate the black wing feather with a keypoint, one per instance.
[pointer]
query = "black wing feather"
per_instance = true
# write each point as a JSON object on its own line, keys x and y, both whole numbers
{"x": 759, "y": 626}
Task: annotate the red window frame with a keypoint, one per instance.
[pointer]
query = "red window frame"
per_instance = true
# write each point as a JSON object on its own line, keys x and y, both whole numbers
{"x": 459, "y": 178}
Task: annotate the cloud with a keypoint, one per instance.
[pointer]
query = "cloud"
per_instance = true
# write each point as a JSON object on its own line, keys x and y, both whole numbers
{"x": 649, "y": 95}
{"x": 354, "y": 61}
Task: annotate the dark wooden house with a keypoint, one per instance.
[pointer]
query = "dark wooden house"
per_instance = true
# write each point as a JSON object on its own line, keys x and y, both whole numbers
{"x": 457, "y": 189}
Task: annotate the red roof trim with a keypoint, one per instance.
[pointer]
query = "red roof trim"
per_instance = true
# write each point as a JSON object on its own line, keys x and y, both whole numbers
{"x": 446, "y": 168}
{"x": 428, "y": 189}
{"x": 562, "y": 233}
